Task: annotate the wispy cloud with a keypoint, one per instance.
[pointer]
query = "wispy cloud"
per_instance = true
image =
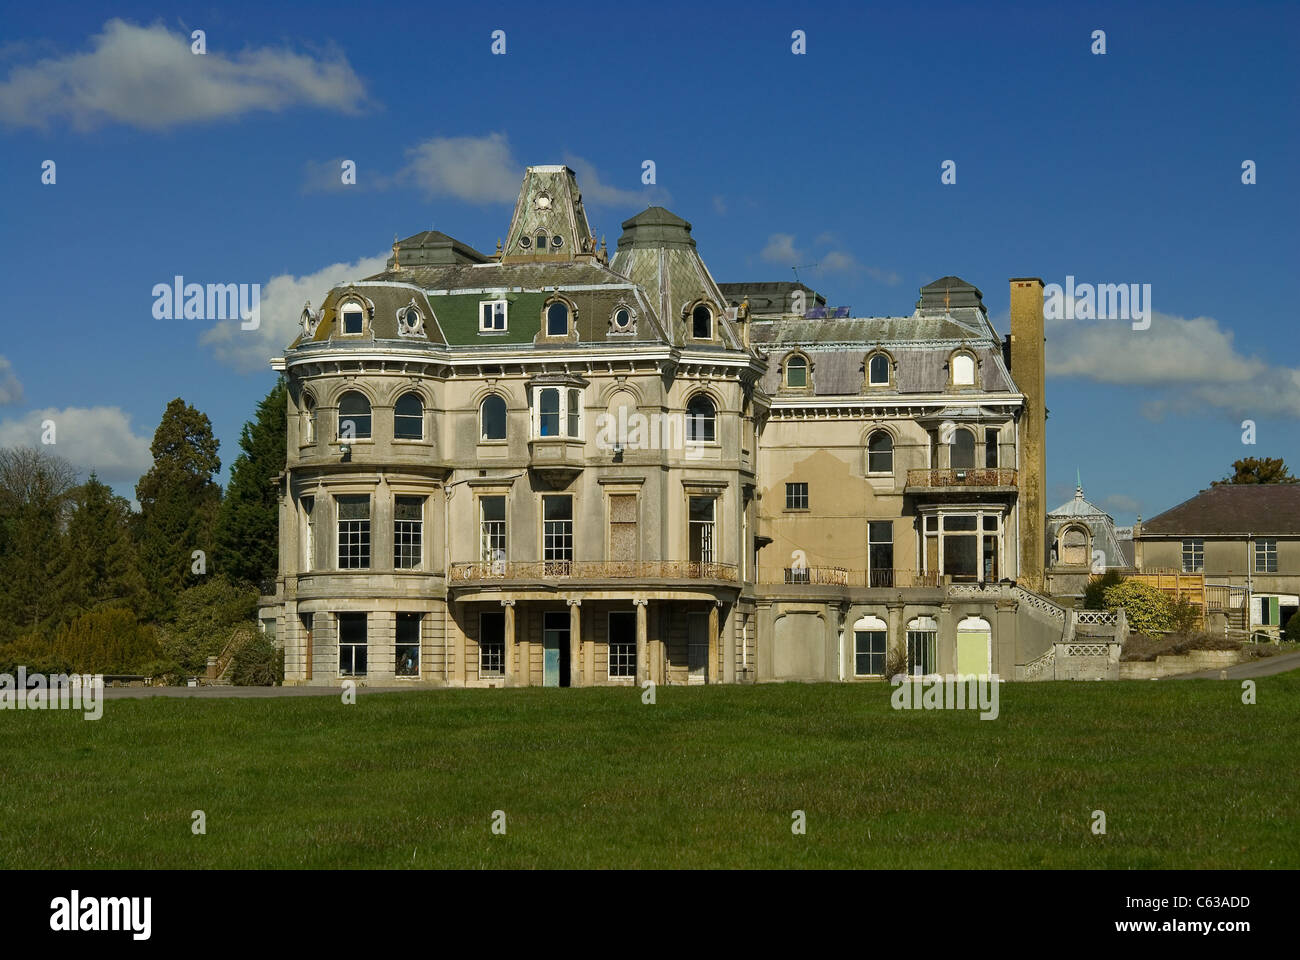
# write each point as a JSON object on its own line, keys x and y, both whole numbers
{"x": 473, "y": 169}
{"x": 282, "y": 299}
{"x": 90, "y": 438}
{"x": 148, "y": 77}
{"x": 1186, "y": 364}
{"x": 11, "y": 390}
{"x": 780, "y": 249}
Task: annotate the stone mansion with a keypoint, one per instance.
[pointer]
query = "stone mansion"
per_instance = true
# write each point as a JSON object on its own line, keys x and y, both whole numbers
{"x": 552, "y": 466}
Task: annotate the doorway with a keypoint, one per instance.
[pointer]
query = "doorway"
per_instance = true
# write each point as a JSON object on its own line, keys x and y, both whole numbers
{"x": 697, "y": 648}
{"x": 555, "y": 649}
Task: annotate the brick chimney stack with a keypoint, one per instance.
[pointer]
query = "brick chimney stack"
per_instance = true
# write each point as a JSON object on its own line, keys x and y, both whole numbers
{"x": 1028, "y": 370}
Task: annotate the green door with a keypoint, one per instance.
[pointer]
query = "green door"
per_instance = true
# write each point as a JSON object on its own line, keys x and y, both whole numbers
{"x": 973, "y": 653}
{"x": 555, "y": 635}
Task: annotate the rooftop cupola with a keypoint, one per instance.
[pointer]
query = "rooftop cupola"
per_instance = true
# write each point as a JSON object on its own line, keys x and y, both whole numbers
{"x": 549, "y": 222}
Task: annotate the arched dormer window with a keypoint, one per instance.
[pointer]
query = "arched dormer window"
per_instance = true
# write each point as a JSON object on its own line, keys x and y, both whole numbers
{"x": 557, "y": 320}
{"x": 702, "y": 322}
{"x": 962, "y": 369}
{"x": 879, "y": 369}
{"x": 492, "y": 418}
{"x": 796, "y": 372}
{"x": 540, "y": 240}
{"x": 880, "y": 452}
{"x": 701, "y": 420}
{"x": 408, "y": 417}
{"x": 354, "y": 416}
{"x": 352, "y": 318}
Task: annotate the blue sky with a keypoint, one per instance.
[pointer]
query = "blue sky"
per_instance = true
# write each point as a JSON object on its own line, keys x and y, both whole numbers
{"x": 1119, "y": 168}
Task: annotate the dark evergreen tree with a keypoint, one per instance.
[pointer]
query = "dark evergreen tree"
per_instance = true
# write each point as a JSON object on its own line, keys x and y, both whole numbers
{"x": 35, "y": 498}
{"x": 247, "y": 539}
{"x": 101, "y": 568}
{"x": 178, "y": 504}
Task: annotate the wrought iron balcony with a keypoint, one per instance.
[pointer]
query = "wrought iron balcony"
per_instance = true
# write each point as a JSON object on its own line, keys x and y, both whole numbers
{"x": 984, "y": 477}
{"x": 488, "y": 570}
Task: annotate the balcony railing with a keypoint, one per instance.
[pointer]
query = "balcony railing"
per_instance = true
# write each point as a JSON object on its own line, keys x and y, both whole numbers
{"x": 475, "y": 571}
{"x": 962, "y": 477}
{"x": 841, "y": 577}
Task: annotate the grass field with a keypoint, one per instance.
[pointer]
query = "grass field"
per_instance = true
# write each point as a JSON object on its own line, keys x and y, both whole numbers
{"x": 1187, "y": 775}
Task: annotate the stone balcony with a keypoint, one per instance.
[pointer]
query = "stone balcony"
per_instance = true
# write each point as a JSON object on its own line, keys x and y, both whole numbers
{"x": 558, "y": 459}
{"x": 478, "y": 573}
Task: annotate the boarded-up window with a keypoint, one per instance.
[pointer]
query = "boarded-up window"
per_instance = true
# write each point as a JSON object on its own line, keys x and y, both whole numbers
{"x": 1074, "y": 547}
{"x": 622, "y": 528}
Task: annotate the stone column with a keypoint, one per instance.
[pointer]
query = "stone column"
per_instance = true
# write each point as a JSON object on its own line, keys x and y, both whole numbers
{"x": 525, "y": 658}
{"x": 715, "y": 674}
{"x": 575, "y": 642}
{"x": 509, "y": 606}
{"x": 642, "y": 644}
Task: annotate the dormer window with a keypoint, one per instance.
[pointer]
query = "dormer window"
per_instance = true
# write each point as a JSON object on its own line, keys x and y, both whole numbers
{"x": 962, "y": 365}
{"x": 878, "y": 370}
{"x": 557, "y": 319}
{"x": 621, "y": 321}
{"x": 354, "y": 318}
{"x": 796, "y": 372}
{"x": 702, "y": 323}
{"x": 541, "y": 242}
{"x": 492, "y": 316}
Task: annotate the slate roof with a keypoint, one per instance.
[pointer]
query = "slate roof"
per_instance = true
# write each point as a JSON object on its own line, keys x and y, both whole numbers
{"x": 1260, "y": 509}
{"x": 1101, "y": 526}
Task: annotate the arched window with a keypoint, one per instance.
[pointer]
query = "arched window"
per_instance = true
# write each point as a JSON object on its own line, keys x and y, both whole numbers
{"x": 541, "y": 241}
{"x": 878, "y": 370}
{"x": 354, "y": 416}
{"x": 557, "y": 319}
{"x": 1074, "y": 547}
{"x": 492, "y": 418}
{"x": 701, "y": 417}
{"x": 922, "y": 643}
{"x": 308, "y": 418}
{"x": 408, "y": 417}
{"x": 796, "y": 371}
{"x": 353, "y": 318}
{"x": 962, "y": 456}
{"x": 963, "y": 370}
{"x": 702, "y": 323}
{"x": 869, "y": 644}
{"x": 880, "y": 453}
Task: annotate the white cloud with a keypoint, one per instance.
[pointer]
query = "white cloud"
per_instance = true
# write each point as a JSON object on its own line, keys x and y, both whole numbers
{"x": 720, "y": 205}
{"x": 473, "y": 169}
{"x": 11, "y": 391}
{"x": 888, "y": 277}
{"x": 90, "y": 438}
{"x": 781, "y": 249}
{"x": 1193, "y": 364}
{"x": 282, "y": 299}
{"x": 147, "y": 77}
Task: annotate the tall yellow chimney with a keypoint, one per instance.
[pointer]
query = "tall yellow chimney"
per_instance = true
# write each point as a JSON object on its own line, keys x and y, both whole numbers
{"x": 1028, "y": 372}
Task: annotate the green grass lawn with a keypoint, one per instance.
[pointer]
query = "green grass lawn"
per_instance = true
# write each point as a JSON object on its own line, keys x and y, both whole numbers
{"x": 1187, "y": 775}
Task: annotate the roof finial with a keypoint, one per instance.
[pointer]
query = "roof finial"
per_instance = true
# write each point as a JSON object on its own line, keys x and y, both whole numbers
{"x": 396, "y": 250}
{"x": 1078, "y": 483}
{"x": 498, "y": 246}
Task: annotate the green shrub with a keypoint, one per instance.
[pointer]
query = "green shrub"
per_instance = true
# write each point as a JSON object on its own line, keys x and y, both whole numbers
{"x": 1186, "y": 615}
{"x": 1146, "y": 607}
{"x": 258, "y": 663}
{"x": 110, "y": 640}
{"x": 204, "y": 623}
{"x": 1094, "y": 595}
{"x": 1293, "y": 628}
{"x": 34, "y": 652}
